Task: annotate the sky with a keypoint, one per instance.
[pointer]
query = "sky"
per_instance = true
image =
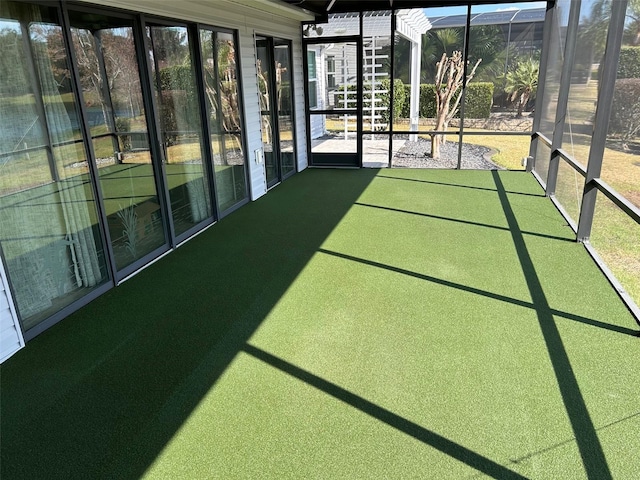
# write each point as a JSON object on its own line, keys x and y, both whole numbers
{"x": 462, "y": 10}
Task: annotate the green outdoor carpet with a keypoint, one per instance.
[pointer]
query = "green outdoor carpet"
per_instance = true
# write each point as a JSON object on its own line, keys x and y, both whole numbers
{"x": 350, "y": 324}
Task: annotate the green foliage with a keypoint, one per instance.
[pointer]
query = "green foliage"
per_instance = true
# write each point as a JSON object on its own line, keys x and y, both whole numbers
{"x": 479, "y": 98}
{"x": 522, "y": 83}
{"x": 629, "y": 64}
{"x": 177, "y": 77}
{"x": 399, "y": 97}
{"x": 178, "y": 102}
{"x": 625, "y": 115}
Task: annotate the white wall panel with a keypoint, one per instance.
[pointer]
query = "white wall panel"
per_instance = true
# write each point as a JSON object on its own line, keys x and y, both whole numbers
{"x": 11, "y": 339}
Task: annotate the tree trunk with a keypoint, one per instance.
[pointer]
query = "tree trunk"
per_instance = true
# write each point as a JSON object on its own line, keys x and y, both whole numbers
{"x": 438, "y": 139}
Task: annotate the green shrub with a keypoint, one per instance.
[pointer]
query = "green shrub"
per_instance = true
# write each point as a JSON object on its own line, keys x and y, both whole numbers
{"x": 625, "y": 115}
{"x": 629, "y": 64}
{"x": 478, "y": 100}
{"x": 399, "y": 97}
{"x": 407, "y": 102}
{"x": 427, "y": 100}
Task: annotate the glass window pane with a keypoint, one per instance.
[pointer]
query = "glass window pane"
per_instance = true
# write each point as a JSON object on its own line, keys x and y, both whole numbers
{"x": 542, "y": 159}
{"x": 284, "y": 105}
{"x": 50, "y": 234}
{"x": 312, "y": 71}
{"x": 555, "y": 60}
{"x": 569, "y": 187}
{"x": 615, "y": 237}
{"x": 181, "y": 129}
{"x": 583, "y": 92}
{"x": 221, "y": 74}
{"x": 111, "y": 89}
{"x": 265, "y": 72}
{"x": 621, "y": 159}
{"x": 506, "y": 41}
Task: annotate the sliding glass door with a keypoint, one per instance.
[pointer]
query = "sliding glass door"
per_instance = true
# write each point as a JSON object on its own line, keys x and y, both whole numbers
{"x": 51, "y": 235}
{"x": 109, "y": 74}
{"x": 276, "y": 107}
{"x": 121, "y": 136}
{"x": 222, "y": 93}
{"x": 176, "y": 98}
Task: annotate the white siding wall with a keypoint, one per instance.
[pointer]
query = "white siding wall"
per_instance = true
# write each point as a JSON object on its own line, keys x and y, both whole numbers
{"x": 249, "y": 17}
{"x": 10, "y": 334}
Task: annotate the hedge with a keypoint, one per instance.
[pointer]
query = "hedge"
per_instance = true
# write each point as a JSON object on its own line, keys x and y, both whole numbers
{"x": 629, "y": 63}
{"x": 625, "y": 115}
{"x": 479, "y": 99}
{"x": 399, "y": 97}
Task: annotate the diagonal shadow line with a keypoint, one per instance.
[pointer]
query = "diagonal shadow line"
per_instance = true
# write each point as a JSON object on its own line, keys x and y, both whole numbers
{"x": 424, "y": 435}
{"x": 484, "y": 293}
{"x": 569, "y": 441}
{"x": 466, "y": 222}
{"x": 459, "y": 186}
{"x": 593, "y": 457}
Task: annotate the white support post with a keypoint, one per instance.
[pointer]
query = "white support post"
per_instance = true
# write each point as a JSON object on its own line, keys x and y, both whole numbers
{"x": 414, "y": 105}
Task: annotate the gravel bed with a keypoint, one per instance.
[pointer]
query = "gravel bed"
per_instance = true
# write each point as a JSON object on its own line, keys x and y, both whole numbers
{"x": 417, "y": 155}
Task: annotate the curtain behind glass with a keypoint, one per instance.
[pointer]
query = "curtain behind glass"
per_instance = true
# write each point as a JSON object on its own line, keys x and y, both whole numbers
{"x": 47, "y": 211}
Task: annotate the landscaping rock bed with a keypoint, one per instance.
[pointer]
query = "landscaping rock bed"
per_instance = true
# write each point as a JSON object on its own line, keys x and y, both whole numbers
{"x": 418, "y": 155}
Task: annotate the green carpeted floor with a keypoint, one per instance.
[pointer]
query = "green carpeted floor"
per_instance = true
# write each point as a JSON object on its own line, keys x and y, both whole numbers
{"x": 349, "y": 324}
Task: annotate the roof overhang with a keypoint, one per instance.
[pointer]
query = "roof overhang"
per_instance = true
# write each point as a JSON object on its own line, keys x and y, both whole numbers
{"x": 323, "y": 7}
{"x": 190, "y": 9}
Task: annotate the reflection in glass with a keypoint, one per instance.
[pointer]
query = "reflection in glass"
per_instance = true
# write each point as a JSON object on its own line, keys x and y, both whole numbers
{"x": 180, "y": 125}
{"x": 265, "y": 70}
{"x": 221, "y": 89}
{"x": 50, "y": 234}
{"x": 110, "y": 80}
{"x": 284, "y": 105}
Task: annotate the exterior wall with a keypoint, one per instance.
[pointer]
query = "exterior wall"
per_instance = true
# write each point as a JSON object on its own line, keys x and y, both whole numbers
{"x": 10, "y": 334}
{"x": 249, "y": 18}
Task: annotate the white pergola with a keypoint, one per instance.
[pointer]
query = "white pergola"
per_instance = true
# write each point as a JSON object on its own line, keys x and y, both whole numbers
{"x": 411, "y": 24}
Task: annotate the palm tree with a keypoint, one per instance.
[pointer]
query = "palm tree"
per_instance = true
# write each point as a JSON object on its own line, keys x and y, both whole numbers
{"x": 522, "y": 83}
{"x": 434, "y": 44}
